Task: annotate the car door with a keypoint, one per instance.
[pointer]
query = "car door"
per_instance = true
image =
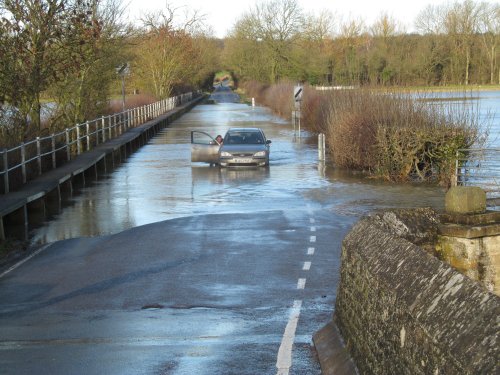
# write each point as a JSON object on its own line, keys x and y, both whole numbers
{"x": 204, "y": 148}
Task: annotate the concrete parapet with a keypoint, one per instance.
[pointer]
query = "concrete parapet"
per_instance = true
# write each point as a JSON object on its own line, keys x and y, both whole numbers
{"x": 401, "y": 310}
{"x": 465, "y": 200}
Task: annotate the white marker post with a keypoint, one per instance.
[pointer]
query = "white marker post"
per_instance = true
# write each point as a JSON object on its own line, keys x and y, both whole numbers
{"x": 297, "y": 97}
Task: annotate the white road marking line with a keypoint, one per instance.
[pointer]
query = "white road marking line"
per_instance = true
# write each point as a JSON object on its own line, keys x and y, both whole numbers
{"x": 24, "y": 260}
{"x": 301, "y": 284}
{"x": 312, "y": 239}
{"x": 307, "y": 266}
{"x": 313, "y": 229}
{"x": 310, "y": 251}
{"x": 311, "y": 220}
{"x": 284, "y": 361}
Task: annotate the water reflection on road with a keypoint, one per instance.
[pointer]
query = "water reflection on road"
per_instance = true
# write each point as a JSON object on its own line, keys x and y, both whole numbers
{"x": 159, "y": 182}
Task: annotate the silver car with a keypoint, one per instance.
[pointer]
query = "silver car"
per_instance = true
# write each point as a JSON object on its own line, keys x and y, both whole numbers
{"x": 241, "y": 147}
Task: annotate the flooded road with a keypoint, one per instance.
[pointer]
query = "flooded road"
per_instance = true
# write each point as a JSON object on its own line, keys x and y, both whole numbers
{"x": 159, "y": 182}
{"x": 166, "y": 267}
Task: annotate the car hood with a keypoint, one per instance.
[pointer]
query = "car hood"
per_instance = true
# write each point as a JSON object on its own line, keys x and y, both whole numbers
{"x": 243, "y": 148}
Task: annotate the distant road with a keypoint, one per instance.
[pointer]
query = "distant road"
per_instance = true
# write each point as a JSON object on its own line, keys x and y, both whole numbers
{"x": 223, "y": 94}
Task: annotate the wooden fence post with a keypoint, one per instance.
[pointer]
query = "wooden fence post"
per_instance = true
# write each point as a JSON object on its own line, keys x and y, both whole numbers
{"x": 5, "y": 171}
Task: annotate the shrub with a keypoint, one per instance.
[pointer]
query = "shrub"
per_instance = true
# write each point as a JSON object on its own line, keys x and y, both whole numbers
{"x": 397, "y": 136}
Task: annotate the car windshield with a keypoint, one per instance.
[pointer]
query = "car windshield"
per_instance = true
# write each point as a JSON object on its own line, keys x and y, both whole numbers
{"x": 243, "y": 138}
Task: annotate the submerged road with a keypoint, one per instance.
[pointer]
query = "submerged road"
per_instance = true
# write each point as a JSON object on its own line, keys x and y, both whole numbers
{"x": 187, "y": 269}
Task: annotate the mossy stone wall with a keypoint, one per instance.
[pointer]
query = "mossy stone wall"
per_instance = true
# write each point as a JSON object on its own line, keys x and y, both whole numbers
{"x": 400, "y": 310}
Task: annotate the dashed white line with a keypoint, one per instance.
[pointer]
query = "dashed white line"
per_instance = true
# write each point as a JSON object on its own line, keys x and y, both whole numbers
{"x": 284, "y": 361}
{"x": 301, "y": 284}
{"x": 313, "y": 229}
{"x": 310, "y": 251}
{"x": 311, "y": 220}
{"x": 307, "y": 266}
{"x": 312, "y": 239}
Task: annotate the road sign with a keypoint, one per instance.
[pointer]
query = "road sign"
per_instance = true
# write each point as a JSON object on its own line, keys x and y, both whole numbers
{"x": 297, "y": 93}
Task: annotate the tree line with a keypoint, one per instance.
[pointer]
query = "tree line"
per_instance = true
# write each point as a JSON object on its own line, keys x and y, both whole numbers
{"x": 455, "y": 43}
{"x": 67, "y": 52}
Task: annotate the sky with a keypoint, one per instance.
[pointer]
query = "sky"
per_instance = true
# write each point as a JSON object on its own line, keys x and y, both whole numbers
{"x": 221, "y": 14}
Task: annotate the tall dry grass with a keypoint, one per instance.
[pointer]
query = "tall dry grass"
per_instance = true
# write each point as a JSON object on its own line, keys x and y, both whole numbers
{"x": 396, "y": 136}
{"x": 131, "y": 101}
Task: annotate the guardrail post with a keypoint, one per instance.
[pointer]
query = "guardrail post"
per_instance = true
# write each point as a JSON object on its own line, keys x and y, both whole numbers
{"x": 97, "y": 132}
{"x": 68, "y": 145}
{"x": 87, "y": 129}
{"x": 112, "y": 122}
{"x": 23, "y": 161}
{"x": 103, "y": 125}
{"x": 5, "y": 171}
{"x": 121, "y": 119}
{"x": 53, "y": 142}
{"x": 39, "y": 155}
{"x": 78, "y": 140}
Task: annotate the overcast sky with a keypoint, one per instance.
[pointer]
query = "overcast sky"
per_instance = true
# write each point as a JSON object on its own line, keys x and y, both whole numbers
{"x": 221, "y": 14}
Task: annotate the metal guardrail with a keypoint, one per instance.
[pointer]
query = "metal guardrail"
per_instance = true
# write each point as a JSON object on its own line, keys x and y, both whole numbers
{"x": 78, "y": 139}
{"x": 479, "y": 167}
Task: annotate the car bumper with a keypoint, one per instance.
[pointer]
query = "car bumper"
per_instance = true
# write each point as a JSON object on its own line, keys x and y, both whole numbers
{"x": 243, "y": 162}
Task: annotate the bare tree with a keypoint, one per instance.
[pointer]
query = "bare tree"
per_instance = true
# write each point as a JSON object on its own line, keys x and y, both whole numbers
{"x": 167, "y": 54}
{"x": 462, "y": 23}
{"x": 489, "y": 26}
{"x": 276, "y": 25}
{"x": 431, "y": 20}
{"x": 385, "y": 27}
{"x": 319, "y": 26}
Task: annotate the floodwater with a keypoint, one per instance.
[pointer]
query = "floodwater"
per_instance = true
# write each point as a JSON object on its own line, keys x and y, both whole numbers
{"x": 159, "y": 182}
{"x": 483, "y": 107}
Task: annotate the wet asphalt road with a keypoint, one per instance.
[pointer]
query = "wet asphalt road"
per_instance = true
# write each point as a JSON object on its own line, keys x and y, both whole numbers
{"x": 192, "y": 270}
{"x": 206, "y": 294}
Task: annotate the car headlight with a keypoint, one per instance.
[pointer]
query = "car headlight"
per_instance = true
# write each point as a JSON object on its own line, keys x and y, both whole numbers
{"x": 225, "y": 154}
{"x": 260, "y": 154}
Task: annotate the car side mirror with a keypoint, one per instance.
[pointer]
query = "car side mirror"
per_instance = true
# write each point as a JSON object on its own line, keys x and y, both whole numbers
{"x": 268, "y": 142}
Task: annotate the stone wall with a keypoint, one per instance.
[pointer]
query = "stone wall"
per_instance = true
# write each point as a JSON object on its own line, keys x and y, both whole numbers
{"x": 400, "y": 310}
